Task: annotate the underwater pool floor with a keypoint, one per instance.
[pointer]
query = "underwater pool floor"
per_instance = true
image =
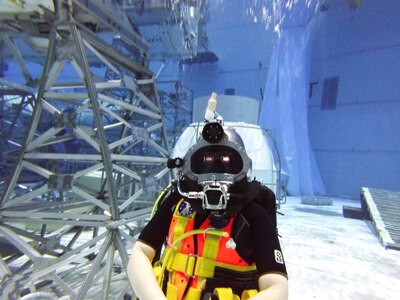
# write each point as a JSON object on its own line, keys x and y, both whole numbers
{"x": 332, "y": 257}
{"x": 327, "y": 256}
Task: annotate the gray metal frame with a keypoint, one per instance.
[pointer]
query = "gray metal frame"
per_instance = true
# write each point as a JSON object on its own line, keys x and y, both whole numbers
{"x": 72, "y": 237}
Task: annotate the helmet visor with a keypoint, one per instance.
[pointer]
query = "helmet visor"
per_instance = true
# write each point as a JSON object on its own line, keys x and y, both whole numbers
{"x": 216, "y": 159}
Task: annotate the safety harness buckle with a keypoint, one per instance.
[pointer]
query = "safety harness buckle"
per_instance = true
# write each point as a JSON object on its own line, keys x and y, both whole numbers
{"x": 190, "y": 264}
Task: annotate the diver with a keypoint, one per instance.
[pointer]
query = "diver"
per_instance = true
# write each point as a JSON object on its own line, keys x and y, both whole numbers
{"x": 214, "y": 236}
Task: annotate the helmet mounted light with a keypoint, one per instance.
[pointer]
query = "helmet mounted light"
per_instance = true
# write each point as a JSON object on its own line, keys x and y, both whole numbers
{"x": 212, "y": 132}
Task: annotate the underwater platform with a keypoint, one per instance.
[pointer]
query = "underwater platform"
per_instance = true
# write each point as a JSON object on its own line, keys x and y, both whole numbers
{"x": 382, "y": 207}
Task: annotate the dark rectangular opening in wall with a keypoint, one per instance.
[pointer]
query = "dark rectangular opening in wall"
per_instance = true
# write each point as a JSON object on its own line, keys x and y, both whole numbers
{"x": 230, "y": 91}
{"x": 329, "y": 93}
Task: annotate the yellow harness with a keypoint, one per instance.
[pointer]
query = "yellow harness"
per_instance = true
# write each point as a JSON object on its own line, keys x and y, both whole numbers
{"x": 193, "y": 266}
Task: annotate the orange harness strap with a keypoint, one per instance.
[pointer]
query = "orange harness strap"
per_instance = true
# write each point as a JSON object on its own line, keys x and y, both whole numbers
{"x": 186, "y": 266}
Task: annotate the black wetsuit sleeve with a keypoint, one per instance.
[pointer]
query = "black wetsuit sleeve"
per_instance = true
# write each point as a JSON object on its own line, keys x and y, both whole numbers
{"x": 155, "y": 232}
{"x": 266, "y": 249}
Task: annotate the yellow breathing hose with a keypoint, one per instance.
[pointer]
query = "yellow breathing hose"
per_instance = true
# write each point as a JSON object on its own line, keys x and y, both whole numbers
{"x": 173, "y": 246}
{"x": 159, "y": 198}
{"x": 182, "y": 237}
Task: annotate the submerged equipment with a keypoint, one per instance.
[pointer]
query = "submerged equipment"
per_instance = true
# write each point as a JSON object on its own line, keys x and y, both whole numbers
{"x": 212, "y": 178}
{"x": 212, "y": 166}
{"x": 192, "y": 268}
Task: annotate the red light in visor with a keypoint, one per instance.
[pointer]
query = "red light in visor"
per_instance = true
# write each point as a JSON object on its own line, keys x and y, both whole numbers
{"x": 208, "y": 159}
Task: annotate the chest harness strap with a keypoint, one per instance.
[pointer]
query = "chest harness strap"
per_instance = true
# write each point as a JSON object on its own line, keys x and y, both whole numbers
{"x": 186, "y": 266}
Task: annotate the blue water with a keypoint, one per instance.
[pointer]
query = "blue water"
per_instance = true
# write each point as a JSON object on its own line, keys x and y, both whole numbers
{"x": 286, "y": 60}
{"x": 334, "y": 139}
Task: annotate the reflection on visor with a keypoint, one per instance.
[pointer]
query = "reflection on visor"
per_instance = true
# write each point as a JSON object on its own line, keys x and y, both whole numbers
{"x": 216, "y": 159}
{"x": 224, "y": 159}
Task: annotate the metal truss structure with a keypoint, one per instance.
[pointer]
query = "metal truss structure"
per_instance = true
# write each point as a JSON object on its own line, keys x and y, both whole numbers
{"x": 177, "y": 102}
{"x": 93, "y": 158}
{"x": 174, "y": 29}
{"x": 16, "y": 106}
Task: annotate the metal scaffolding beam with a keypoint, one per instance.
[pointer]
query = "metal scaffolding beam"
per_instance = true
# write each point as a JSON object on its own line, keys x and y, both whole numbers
{"x": 88, "y": 168}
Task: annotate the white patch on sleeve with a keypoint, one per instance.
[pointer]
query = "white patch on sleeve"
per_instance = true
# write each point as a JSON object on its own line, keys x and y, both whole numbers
{"x": 278, "y": 257}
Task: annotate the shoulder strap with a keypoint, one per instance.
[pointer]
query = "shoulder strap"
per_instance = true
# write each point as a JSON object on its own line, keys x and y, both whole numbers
{"x": 160, "y": 199}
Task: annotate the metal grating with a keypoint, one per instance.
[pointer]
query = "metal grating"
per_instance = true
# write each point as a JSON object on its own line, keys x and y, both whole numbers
{"x": 383, "y": 206}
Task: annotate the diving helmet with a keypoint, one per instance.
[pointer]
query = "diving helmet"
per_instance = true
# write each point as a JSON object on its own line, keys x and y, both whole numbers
{"x": 212, "y": 166}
